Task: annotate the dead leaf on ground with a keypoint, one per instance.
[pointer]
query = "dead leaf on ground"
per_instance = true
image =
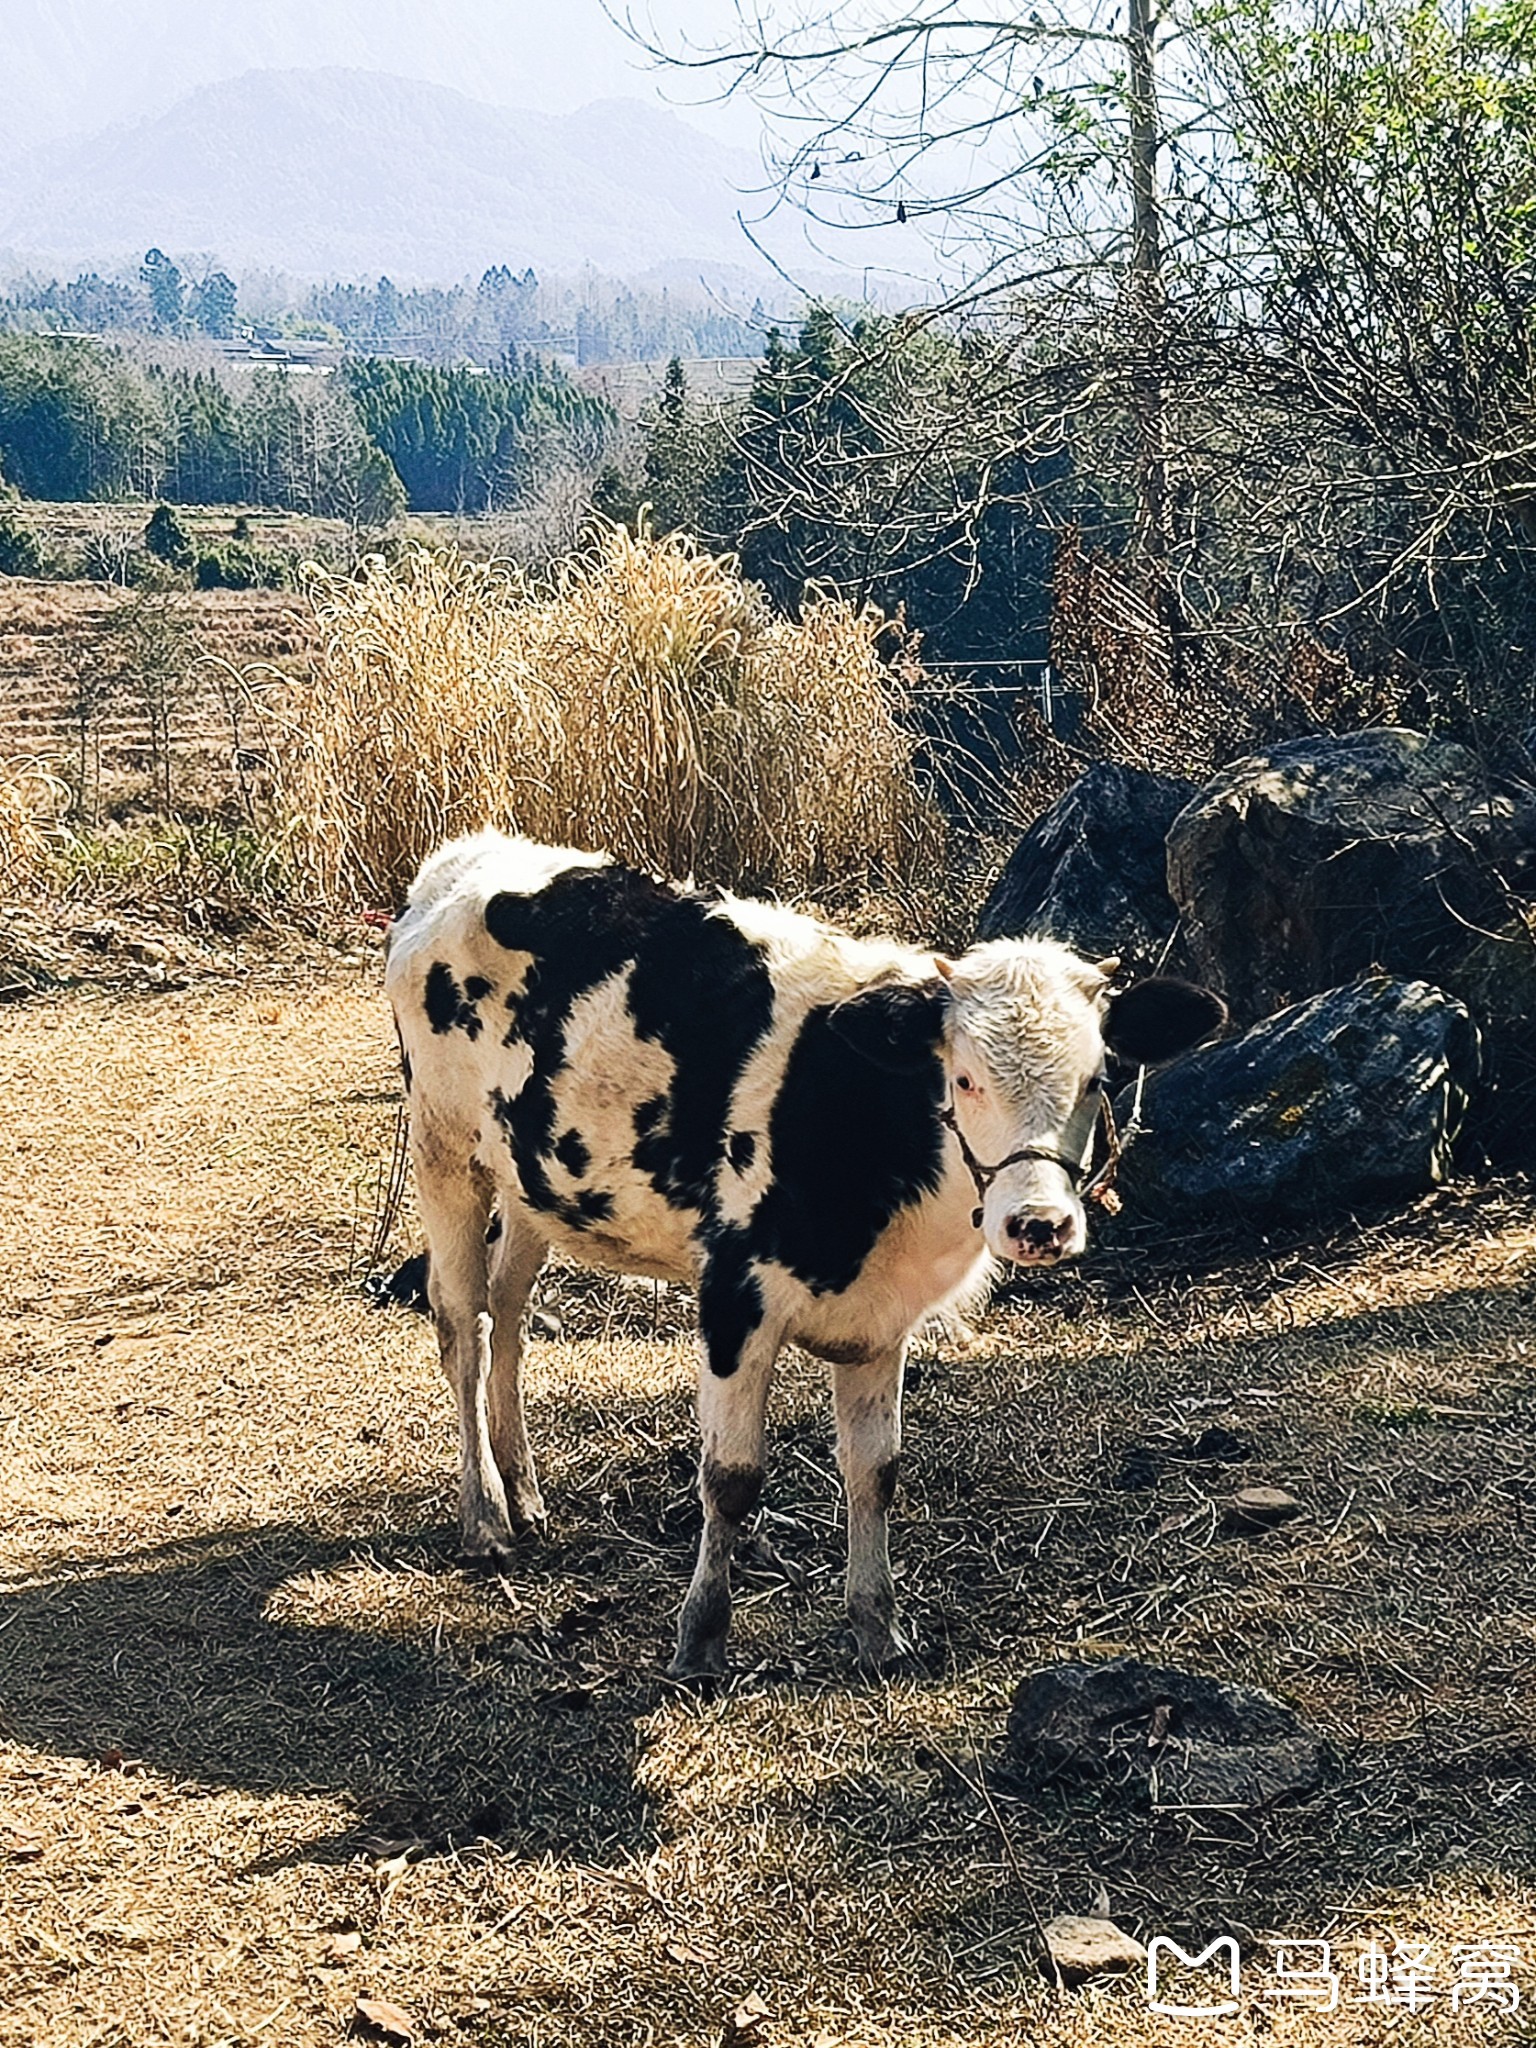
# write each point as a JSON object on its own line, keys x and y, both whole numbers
{"x": 680, "y": 1952}
{"x": 391, "y": 2021}
{"x": 745, "y": 2024}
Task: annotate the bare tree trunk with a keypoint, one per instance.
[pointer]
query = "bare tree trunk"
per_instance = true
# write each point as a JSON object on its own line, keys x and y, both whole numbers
{"x": 1149, "y": 305}
{"x": 1156, "y": 536}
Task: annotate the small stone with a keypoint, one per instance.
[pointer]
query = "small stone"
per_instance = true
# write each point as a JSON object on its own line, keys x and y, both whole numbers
{"x": 147, "y": 952}
{"x": 1261, "y": 1507}
{"x": 1082, "y": 1947}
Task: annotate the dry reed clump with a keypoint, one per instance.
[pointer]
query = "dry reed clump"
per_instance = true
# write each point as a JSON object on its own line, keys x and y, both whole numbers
{"x": 33, "y": 800}
{"x": 641, "y": 699}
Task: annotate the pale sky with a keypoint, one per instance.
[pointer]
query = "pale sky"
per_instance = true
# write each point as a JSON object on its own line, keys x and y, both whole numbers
{"x": 76, "y": 65}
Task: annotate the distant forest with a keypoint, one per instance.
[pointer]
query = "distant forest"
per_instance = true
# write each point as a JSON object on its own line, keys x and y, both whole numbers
{"x": 82, "y": 419}
{"x": 592, "y": 320}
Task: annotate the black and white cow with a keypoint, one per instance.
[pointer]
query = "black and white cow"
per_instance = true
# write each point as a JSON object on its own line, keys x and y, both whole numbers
{"x": 828, "y": 1137}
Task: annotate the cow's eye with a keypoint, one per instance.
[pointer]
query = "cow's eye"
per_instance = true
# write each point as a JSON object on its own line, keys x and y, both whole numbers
{"x": 965, "y": 1084}
{"x": 1095, "y": 1084}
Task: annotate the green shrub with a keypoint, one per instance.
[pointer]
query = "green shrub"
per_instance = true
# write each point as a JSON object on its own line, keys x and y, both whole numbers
{"x": 20, "y": 554}
{"x": 235, "y": 565}
{"x": 233, "y": 867}
{"x": 166, "y": 537}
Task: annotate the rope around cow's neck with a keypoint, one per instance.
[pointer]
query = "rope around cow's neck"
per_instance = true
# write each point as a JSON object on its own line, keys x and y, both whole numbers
{"x": 1100, "y": 1187}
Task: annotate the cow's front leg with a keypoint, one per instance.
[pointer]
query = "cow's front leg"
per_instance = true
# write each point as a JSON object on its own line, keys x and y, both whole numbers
{"x": 734, "y": 1374}
{"x": 867, "y": 1401}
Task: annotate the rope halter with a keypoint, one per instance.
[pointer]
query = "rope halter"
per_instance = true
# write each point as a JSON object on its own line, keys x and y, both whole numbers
{"x": 1098, "y": 1187}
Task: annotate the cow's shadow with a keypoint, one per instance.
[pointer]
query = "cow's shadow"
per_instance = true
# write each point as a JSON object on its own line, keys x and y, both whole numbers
{"x": 361, "y": 1659}
{"x": 203, "y": 1660}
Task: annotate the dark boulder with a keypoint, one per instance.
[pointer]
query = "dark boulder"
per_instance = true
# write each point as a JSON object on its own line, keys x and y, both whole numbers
{"x": 1164, "y": 1737}
{"x": 1358, "y": 1094}
{"x": 1092, "y": 870}
{"x": 1298, "y": 869}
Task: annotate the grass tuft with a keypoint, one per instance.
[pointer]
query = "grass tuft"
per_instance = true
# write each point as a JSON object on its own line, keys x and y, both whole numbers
{"x": 176, "y": 859}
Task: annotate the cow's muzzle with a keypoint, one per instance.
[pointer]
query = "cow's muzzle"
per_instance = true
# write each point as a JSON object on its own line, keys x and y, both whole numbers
{"x": 1042, "y": 1237}
{"x": 1035, "y": 1235}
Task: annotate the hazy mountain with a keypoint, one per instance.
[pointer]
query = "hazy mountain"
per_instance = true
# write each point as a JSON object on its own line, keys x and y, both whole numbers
{"x": 74, "y": 66}
{"x": 350, "y": 173}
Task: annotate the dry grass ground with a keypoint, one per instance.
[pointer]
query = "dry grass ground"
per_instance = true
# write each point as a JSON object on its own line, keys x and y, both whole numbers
{"x": 266, "y": 1747}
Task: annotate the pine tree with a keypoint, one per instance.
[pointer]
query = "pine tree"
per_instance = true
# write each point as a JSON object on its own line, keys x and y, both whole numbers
{"x": 166, "y": 292}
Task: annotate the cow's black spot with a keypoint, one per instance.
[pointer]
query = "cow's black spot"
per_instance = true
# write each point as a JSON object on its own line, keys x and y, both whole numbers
{"x": 443, "y": 996}
{"x": 648, "y": 1114}
{"x": 589, "y": 1206}
{"x": 731, "y": 1490}
{"x": 581, "y": 928}
{"x": 449, "y": 1007}
{"x": 571, "y": 1151}
{"x": 476, "y": 987}
{"x": 730, "y": 1300}
{"x": 896, "y": 1024}
{"x": 853, "y": 1143}
{"x": 702, "y": 991}
{"x": 405, "y": 1068}
{"x": 742, "y": 1150}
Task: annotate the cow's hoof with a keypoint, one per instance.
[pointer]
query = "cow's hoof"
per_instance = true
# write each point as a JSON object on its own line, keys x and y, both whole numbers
{"x": 488, "y": 1550}
{"x": 699, "y": 1663}
{"x": 887, "y": 1655}
{"x": 530, "y": 1518}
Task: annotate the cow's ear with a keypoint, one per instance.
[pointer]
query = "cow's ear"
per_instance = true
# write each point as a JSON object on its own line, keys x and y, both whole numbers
{"x": 897, "y": 1024}
{"x": 1156, "y": 1020}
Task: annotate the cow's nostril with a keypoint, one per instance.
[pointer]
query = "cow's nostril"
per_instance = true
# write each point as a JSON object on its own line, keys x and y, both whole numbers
{"x": 1040, "y": 1235}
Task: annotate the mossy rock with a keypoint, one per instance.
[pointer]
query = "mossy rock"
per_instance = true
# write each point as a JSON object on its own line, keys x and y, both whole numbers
{"x": 1359, "y": 1093}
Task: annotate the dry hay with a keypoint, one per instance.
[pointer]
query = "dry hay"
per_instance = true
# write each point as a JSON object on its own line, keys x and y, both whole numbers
{"x": 642, "y": 699}
{"x": 32, "y": 801}
{"x": 266, "y": 1747}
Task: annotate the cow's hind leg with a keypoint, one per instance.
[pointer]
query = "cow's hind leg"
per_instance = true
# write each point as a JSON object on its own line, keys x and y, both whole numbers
{"x": 867, "y": 1402}
{"x": 454, "y": 1196}
{"x": 515, "y": 1261}
{"x": 734, "y": 1376}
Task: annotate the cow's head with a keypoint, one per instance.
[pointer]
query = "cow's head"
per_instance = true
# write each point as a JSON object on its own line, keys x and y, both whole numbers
{"x": 1022, "y": 1028}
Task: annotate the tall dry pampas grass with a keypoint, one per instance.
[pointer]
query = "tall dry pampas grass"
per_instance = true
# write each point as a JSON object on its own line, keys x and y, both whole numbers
{"x": 33, "y": 800}
{"x": 642, "y": 699}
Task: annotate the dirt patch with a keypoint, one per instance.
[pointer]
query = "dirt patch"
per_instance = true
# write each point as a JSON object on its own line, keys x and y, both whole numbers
{"x": 251, "y": 1706}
